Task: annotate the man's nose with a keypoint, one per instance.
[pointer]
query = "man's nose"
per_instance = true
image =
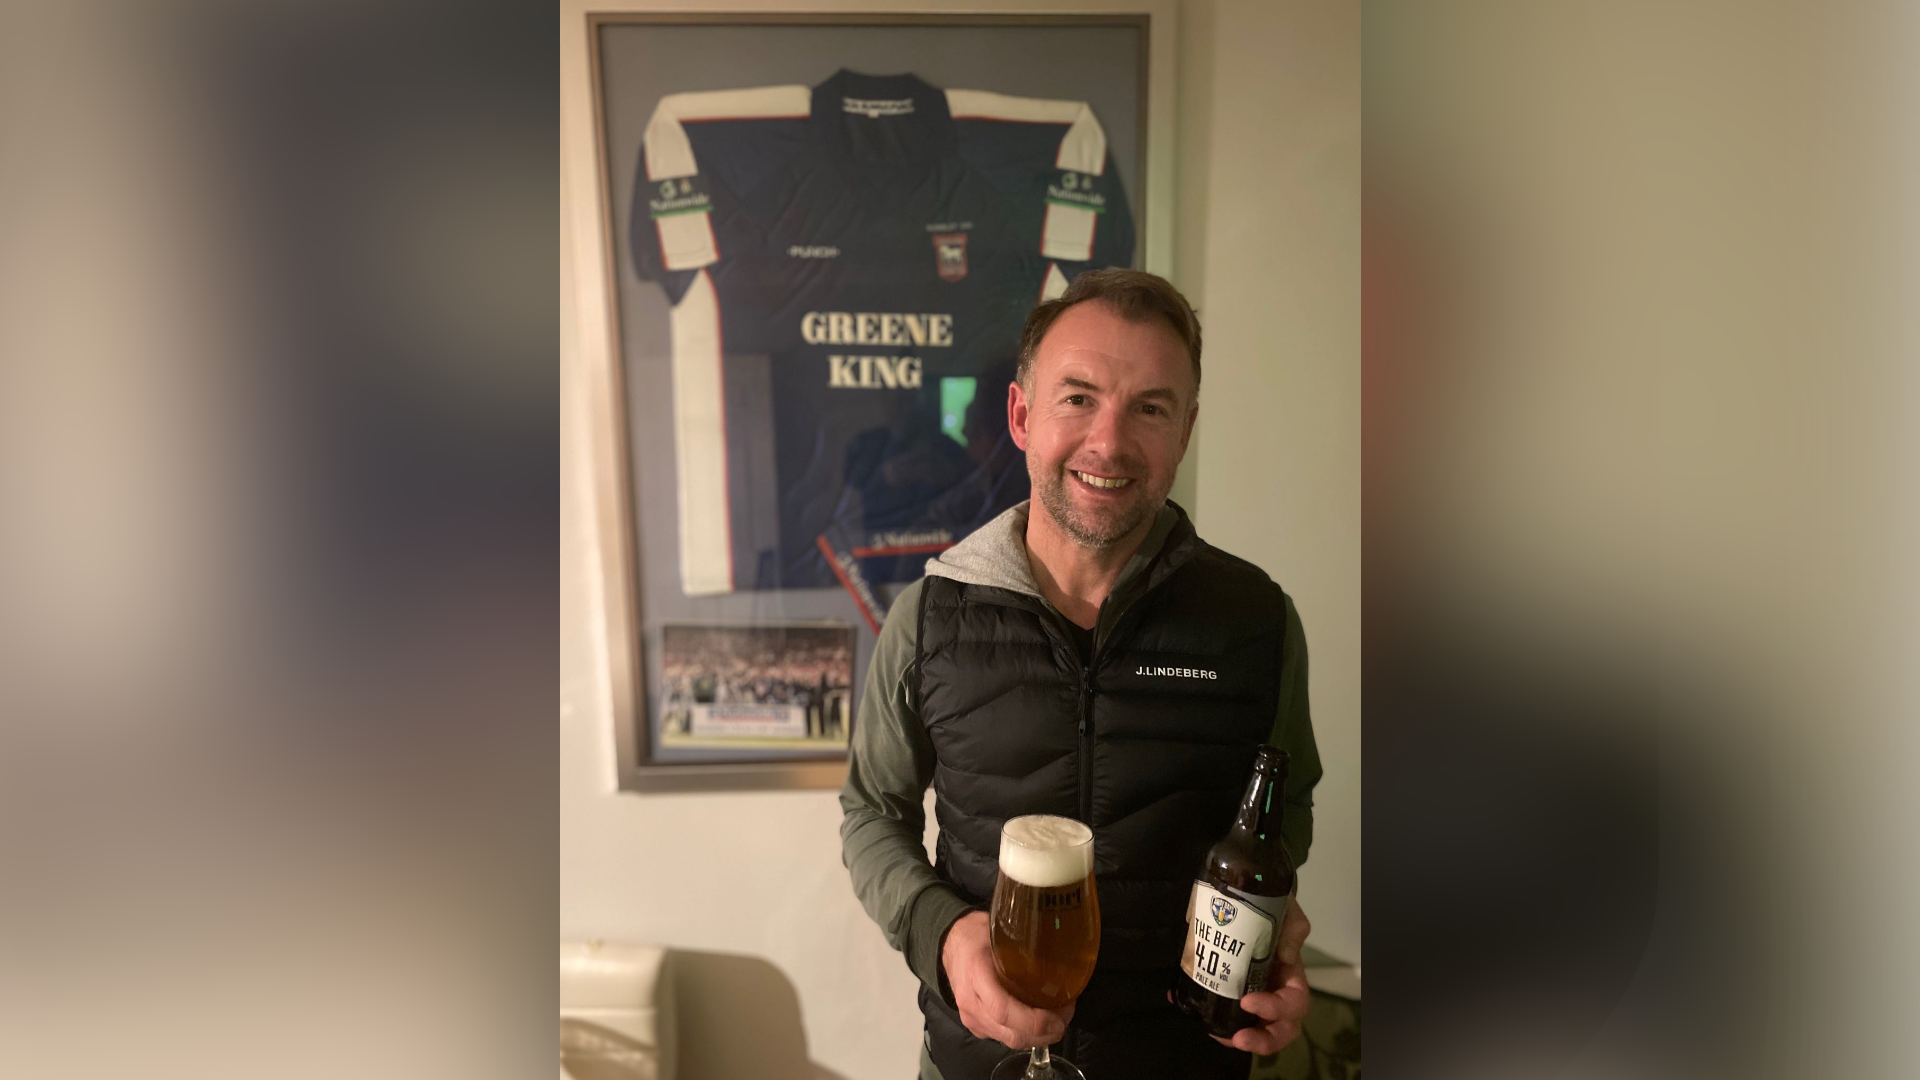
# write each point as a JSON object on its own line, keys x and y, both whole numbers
{"x": 1108, "y": 435}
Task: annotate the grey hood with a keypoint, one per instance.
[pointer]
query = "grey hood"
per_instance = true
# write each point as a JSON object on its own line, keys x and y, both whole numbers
{"x": 995, "y": 554}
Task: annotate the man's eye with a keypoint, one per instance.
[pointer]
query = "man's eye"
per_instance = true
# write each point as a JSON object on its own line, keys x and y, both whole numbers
{"x": 1076, "y": 399}
{"x": 1150, "y": 410}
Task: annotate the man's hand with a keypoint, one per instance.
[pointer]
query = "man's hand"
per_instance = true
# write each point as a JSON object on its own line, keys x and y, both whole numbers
{"x": 1285, "y": 1006}
{"x": 985, "y": 1006}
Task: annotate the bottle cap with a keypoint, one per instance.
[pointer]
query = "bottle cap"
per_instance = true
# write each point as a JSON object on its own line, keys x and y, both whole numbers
{"x": 1270, "y": 759}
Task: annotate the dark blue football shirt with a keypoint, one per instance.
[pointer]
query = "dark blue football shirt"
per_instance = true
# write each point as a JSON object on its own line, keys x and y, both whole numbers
{"x": 849, "y": 267}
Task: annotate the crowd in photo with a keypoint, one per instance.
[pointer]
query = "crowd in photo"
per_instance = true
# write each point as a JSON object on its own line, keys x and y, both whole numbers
{"x": 807, "y": 667}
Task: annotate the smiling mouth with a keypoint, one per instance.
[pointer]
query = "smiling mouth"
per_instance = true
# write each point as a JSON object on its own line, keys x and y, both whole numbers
{"x": 1107, "y": 482}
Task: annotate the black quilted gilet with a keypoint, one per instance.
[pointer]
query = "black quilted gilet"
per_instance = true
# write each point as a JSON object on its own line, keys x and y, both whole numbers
{"x": 1150, "y": 745}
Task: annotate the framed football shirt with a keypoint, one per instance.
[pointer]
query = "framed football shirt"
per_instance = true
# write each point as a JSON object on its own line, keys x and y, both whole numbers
{"x": 819, "y": 234}
{"x": 843, "y": 260}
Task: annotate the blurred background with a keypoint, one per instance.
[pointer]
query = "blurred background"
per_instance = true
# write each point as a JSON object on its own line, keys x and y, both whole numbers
{"x": 285, "y": 416}
{"x": 279, "y": 597}
{"x": 1639, "y": 533}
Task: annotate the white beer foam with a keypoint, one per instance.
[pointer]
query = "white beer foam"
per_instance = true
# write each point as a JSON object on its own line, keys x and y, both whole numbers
{"x": 1043, "y": 851}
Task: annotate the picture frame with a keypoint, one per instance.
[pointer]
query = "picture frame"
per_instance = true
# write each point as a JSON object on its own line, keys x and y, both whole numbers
{"x": 616, "y": 311}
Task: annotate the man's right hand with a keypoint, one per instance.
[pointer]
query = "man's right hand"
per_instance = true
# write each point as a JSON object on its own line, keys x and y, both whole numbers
{"x": 985, "y": 1006}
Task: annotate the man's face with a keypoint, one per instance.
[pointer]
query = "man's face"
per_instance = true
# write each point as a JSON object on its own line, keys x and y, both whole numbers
{"x": 1104, "y": 421}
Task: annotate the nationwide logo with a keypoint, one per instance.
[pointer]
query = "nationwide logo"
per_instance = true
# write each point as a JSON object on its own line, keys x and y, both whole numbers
{"x": 684, "y": 195}
{"x": 875, "y": 108}
{"x": 894, "y": 540}
{"x": 950, "y": 255}
{"x": 813, "y": 251}
{"x": 1078, "y": 189}
{"x": 1223, "y": 911}
{"x": 1178, "y": 672}
{"x": 847, "y": 568}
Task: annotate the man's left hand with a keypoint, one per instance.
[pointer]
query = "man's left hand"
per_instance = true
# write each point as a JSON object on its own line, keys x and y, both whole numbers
{"x": 1284, "y": 1007}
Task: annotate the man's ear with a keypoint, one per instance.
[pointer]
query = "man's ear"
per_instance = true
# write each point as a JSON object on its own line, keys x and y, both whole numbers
{"x": 1193, "y": 414}
{"x": 1017, "y": 410}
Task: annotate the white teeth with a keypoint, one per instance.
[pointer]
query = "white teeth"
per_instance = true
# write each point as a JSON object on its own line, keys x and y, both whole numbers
{"x": 1101, "y": 482}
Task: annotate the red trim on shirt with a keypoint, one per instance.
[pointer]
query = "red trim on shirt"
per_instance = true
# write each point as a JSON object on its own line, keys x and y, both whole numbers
{"x": 846, "y": 583}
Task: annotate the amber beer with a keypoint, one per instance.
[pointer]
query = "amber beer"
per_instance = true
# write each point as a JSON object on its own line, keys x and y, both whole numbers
{"x": 1045, "y": 931}
{"x": 1237, "y": 905}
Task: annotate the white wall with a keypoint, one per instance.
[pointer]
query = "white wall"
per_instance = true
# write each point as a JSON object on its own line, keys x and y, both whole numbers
{"x": 750, "y": 873}
{"x": 1268, "y": 248}
{"x": 1269, "y": 251}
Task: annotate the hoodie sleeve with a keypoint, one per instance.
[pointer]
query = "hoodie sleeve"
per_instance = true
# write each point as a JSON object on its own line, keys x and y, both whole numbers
{"x": 1293, "y": 732}
{"x": 884, "y": 822}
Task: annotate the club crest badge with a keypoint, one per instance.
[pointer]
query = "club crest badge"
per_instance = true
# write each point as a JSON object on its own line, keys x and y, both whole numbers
{"x": 1223, "y": 911}
{"x": 950, "y": 255}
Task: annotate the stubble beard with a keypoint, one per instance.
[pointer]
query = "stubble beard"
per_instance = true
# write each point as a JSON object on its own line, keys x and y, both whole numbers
{"x": 1093, "y": 530}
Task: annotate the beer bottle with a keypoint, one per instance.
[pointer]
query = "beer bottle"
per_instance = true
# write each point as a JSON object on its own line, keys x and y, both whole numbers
{"x": 1236, "y": 907}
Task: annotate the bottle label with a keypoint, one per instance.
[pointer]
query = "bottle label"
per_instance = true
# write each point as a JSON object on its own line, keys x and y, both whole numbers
{"x": 1230, "y": 939}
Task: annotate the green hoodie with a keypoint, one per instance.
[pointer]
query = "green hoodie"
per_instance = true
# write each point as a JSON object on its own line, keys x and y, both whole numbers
{"x": 891, "y": 763}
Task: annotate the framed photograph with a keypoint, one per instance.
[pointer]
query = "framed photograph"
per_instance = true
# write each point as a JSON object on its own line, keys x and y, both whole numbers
{"x": 756, "y": 687}
{"x": 818, "y": 236}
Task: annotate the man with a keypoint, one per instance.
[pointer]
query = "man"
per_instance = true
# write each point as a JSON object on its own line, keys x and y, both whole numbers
{"x": 1021, "y": 675}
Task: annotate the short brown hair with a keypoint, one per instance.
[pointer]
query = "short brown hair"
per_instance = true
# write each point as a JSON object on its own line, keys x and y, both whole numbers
{"x": 1134, "y": 295}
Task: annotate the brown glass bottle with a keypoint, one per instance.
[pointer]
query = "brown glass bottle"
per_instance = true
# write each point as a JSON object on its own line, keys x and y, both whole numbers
{"x": 1237, "y": 906}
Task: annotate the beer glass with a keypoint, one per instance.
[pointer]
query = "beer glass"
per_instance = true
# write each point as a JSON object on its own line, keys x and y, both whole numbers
{"x": 1045, "y": 926}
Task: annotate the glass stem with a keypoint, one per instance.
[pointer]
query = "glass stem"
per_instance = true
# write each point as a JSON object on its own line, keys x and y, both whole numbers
{"x": 1041, "y": 1067}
